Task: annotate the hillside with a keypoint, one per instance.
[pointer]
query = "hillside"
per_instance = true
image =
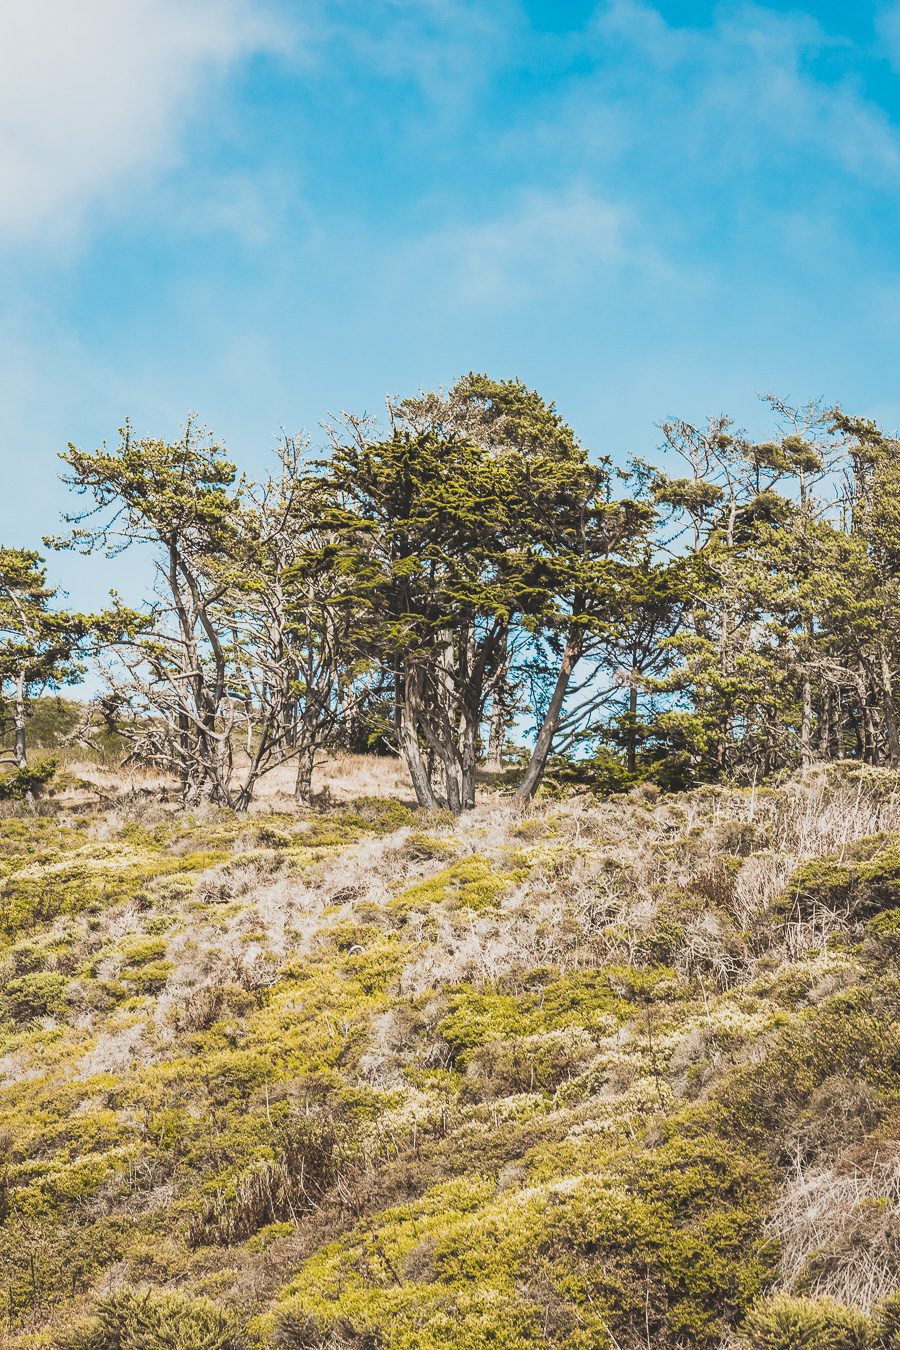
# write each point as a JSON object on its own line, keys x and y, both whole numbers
{"x": 593, "y": 1075}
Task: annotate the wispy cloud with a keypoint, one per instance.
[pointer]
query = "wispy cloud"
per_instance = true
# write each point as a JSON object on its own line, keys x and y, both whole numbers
{"x": 545, "y": 241}
{"x": 745, "y": 89}
{"x": 887, "y": 25}
{"x": 96, "y": 93}
{"x": 443, "y": 48}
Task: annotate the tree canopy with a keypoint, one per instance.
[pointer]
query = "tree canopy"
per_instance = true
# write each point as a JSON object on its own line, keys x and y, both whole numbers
{"x": 467, "y": 584}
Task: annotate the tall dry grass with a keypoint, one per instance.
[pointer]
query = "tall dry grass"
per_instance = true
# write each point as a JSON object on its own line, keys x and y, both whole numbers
{"x": 337, "y": 779}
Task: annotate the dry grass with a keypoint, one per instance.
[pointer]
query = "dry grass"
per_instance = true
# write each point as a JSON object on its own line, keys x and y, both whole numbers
{"x": 337, "y": 779}
{"x": 839, "y": 1231}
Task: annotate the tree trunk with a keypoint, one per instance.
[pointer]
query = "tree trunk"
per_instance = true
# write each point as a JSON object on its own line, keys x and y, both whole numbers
{"x": 825, "y": 724}
{"x": 468, "y": 749}
{"x": 806, "y": 745}
{"x": 869, "y": 744}
{"x": 499, "y": 710}
{"x": 631, "y": 733}
{"x": 891, "y": 732}
{"x": 451, "y": 782}
{"x": 539, "y": 756}
{"x": 408, "y": 737}
{"x": 303, "y": 781}
{"x": 496, "y": 733}
{"x": 20, "y": 750}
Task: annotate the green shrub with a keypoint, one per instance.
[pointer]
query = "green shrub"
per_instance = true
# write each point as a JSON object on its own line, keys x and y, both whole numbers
{"x": 887, "y": 1323}
{"x": 27, "y": 782}
{"x": 133, "y": 1321}
{"x": 861, "y": 888}
{"x": 669, "y": 1239}
{"x": 40, "y": 994}
{"x": 271, "y": 836}
{"x": 296, "y": 1331}
{"x": 786, "y": 1323}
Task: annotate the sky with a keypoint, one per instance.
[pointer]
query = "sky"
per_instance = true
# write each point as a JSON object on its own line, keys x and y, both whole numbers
{"x": 266, "y": 211}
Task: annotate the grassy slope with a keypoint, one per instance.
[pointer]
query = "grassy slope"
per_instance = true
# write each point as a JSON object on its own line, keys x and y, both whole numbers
{"x": 593, "y": 1077}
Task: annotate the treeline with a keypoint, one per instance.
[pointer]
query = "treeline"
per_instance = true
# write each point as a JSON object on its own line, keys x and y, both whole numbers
{"x": 468, "y": 571}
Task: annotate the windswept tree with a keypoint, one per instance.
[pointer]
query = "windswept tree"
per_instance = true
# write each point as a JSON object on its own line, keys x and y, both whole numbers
{"x": 651, "y": 598}
{"x": 872, "y": 587}
{"x": 179, "y": 499}
{"x": 587, "y": 537}
{"x": 757, "y": 526}
{"x": 422, "y": 522}
{"x": 43, "y": 648}
{"x": 301, "y": 657}
{"x": 581, "y": 535}
{"x": 245, "y": 662}
{"x": 479, "y": 521}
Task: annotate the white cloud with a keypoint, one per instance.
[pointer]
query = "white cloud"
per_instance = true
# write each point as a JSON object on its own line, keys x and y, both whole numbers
{"x": 445, "y": 48}
{"x": 742, "y": 90}
{"x": 887, "y": 27}
{"x": 96, "y": 92}
{"x": 547, "y": 240}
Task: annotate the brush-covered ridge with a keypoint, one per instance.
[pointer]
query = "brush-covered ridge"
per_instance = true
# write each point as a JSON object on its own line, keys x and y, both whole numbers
{"x": 597, "y": 1075}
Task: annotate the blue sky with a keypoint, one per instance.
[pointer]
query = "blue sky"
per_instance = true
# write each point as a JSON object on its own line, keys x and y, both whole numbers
{"x": 268, "y": 211}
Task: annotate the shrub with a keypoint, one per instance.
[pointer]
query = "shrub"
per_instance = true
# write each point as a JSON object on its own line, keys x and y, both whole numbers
{"x": 295, "y": 1331}
{"x": 536, "y": 1063}
{"x": 40, "y": 994}
{"x": 887, "y": 1323}
{"x": 673, "y": 1244}
{"x": 315, "y": 1154}
{"x": 858, "y": 888}
{"x": 134, "y": 1321}
{"x": 27, "y": 782}
{"x": 786, "y": 1323}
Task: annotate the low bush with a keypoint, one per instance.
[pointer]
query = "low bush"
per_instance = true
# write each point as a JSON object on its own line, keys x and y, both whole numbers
{"x": 40, "y": 994}
{"x": 144, "y": 1321}
{"x": 313, "y": 1155}
{"x": 786, "y": 1323}
{"x": 855, "y": 888}
{"x": 886, "y": 1320}
{"x": 27, "y": 782}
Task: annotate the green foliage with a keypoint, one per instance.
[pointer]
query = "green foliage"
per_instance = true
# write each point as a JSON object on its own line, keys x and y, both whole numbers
{"x": 27, "y": 782}
{"x": 477, "y": 1016}
{"x": 145, "y": 1321}
{"x": 42, "y": 648}
{"x": 473, "y": 883}
{"x": 858, "y": 888}
{"x": 677, "y": 1248}
{"x": 28, "y": 997}
{"x": 886, "y": 1319}
{"x": 785, "y": 1323}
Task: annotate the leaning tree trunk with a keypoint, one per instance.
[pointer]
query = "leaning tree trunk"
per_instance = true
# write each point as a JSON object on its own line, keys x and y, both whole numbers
{"x": 19, "y": 748}
{"x": 303, "y": 781}
{"x": 541, "y": 752}
{"x": 408, "y": 737}
{"x": 499, "y": 709}
{"x": 806, "y": 739}
{"x": 891, "y": 731}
